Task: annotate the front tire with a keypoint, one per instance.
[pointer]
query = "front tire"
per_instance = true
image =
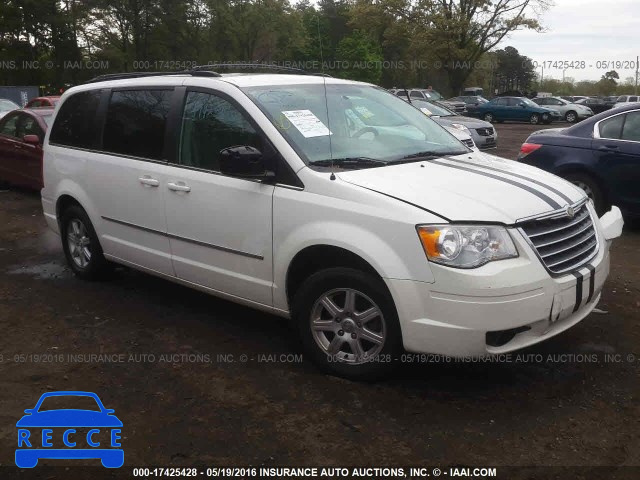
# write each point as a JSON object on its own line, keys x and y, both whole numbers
{"x": 488, "y": 117}
{"x": 571, "y": 117}
{"x": 81, "y": 246}
{"x": 590, "y": 187}
{"x": 348, "y": 323}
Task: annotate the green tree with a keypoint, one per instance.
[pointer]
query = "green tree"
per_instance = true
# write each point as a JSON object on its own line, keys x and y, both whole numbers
{"x": 514, "y": 71}
{"x": 361, "y": 56}
{"x": 456, "y": 33}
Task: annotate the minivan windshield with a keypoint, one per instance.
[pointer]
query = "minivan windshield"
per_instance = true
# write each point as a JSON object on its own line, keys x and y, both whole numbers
{"x": 366, "y": 126}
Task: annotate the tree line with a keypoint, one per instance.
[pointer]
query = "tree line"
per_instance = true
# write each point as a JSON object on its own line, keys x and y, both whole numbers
{"x": 445, "y": 43}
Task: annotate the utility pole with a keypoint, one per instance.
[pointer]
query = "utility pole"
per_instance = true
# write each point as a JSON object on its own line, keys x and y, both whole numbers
{"x": 637, "y": 62}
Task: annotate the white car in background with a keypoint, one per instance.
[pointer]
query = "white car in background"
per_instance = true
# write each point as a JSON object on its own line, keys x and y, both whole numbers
{"x": 571, "y": 112}
{"x": 330, "y": 202}
{"x": 626, "y": 100}
{"x": 7, "y": 106}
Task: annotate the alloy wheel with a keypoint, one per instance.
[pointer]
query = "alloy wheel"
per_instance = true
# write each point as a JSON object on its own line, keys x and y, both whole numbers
{"x": 347, "y": 325}
{"x": 79, "y": 243}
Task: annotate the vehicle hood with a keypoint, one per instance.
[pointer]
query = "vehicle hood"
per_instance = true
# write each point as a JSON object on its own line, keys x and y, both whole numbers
{"x": 466, "y": 121}
{"x": 470, "y": 187}
{"x": 69, "y": 418}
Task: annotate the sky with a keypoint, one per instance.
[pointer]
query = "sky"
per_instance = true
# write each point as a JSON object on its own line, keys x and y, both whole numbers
{"x": 586, "y": 31}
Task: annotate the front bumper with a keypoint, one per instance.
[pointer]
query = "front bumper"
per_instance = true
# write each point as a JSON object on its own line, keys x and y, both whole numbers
{"x": 484, "y": 142}
{"x": 518, "y": 297}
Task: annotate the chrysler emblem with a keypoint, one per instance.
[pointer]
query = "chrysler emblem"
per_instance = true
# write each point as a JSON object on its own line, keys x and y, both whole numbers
{"x": 569, "y": 211}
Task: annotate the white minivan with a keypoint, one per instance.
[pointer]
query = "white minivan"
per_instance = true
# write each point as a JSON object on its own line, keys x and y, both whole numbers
{"x": 332, "y": 202}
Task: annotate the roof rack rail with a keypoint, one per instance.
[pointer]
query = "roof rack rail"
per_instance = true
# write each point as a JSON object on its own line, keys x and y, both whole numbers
{"x": 202, "y": 71}
{"x": 122, "y": 76}
{"x": 248, "y": 66}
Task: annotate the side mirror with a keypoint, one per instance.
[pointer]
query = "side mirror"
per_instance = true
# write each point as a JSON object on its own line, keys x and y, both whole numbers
{"x": 244, "y": 161}
{"x": 109, "y": 411}
{"x": 522, "y": 104}
{"x": 31, "y": 139}
{"x": 29, "y": 411}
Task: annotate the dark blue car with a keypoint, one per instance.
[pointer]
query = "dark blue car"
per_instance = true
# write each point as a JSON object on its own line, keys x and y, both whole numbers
{"x": 601, "y": 155}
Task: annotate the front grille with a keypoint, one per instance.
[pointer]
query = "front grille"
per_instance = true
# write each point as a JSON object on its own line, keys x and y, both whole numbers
{"x": 469, "y": 142}
{"x": 564, "y": 244}
{"x": 485, "y": 132}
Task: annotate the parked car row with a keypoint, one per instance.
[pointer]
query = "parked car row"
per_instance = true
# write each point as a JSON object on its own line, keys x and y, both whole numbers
{"x": 521, "y": 109}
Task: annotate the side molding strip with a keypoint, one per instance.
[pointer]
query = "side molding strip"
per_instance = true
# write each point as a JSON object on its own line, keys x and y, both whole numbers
{"x": 185, "y": 239}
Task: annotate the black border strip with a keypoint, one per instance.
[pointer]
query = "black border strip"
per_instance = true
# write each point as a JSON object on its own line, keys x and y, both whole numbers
{"x": 184, "y": 239}
{"x": 580, "y": 278}
{"x": 592, "y": 281}
{"x": 557, "y": 192}
{"x": 550, "y": 201}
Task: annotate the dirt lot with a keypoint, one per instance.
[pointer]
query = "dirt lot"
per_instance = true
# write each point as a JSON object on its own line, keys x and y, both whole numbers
{"x": 565, "y": 404}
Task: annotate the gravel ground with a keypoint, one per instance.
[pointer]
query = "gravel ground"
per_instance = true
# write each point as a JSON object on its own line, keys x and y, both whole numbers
{"x": 572, "y": 401}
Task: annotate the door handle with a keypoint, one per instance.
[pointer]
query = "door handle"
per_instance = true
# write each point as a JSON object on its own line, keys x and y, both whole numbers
{"x": 178, "y": 187}
{"x": 147, "y": 180}
{"x": 608, "y": 148}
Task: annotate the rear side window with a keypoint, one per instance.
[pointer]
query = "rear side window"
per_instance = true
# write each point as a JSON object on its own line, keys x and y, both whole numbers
{"x": 631, "y": 129}
{"x": 135, "y": 123}
{"x": 611, "y": 127}
{"x": 74, "y": 124}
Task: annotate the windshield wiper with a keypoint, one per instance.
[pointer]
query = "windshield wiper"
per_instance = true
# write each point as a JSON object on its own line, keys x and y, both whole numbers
{"x": 427, "y": 155}
{"x": 350, "y": 162}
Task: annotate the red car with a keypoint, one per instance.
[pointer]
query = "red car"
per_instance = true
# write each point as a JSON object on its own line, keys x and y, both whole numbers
{"x": 21, "y": 136}
{"x": 42, "y": 102}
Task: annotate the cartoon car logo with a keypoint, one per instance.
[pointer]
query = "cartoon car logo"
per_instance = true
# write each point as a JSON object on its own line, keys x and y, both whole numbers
{"x": 37, "y": 438}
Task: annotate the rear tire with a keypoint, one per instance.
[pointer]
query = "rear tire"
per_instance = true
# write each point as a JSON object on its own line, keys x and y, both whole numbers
{"x": 358, "y": 339}
{"x": 590, "y": 187}
{"x": 81, "y": 246}
{"x": 534, "y": 119}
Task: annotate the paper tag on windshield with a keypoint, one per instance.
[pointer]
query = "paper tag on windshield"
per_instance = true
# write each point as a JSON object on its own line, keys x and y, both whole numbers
{"x": 307, "y": 123}
{"x": 425, "y": 111}
{"x": 364, "y": 111}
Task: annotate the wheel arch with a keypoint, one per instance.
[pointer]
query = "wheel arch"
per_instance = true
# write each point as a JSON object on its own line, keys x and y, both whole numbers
{"x": 579, "y": 168}
{"x": 69, "y": 193}
{"x": 314, "y": 258}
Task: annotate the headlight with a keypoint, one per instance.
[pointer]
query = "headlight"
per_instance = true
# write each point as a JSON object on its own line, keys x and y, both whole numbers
{"x": 459, "y": 126}
{"x": 466, "y": 246}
